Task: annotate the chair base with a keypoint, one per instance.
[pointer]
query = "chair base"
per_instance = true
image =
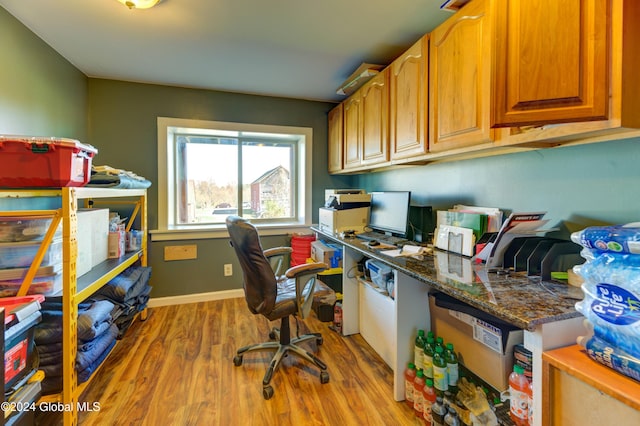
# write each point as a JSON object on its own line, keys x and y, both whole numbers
{"x": 282, "y": 347}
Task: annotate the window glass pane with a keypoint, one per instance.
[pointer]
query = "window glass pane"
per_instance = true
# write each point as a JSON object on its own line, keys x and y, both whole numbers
{"x": 207, "y": 179}
{"x": 266, "y": 175}
{"x": 208, "y": 170}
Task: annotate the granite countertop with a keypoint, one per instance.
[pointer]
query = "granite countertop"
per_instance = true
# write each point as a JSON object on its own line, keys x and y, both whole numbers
{"x": 525, "y": 302}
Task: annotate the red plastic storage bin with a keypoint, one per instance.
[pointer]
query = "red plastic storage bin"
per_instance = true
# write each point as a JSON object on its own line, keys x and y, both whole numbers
{"x": 32, "y": 162}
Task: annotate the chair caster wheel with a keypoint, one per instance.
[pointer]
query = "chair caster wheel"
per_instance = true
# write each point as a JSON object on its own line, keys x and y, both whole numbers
{"x": 267, "y": 392}
{"x": 324, "y": 377}
{"x": 319, "y": 341}
{"x": 272, "y": 335}
{"x": 237, "y": 360}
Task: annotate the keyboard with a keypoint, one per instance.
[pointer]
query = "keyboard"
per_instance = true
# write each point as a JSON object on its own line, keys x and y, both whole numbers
{"x": 382, "y": 238}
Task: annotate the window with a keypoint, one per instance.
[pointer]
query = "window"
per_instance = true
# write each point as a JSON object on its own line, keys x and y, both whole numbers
{"x": 209, "y": 170}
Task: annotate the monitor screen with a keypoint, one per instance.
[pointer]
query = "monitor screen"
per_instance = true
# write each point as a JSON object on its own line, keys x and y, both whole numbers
{"x": 390, "y": 212}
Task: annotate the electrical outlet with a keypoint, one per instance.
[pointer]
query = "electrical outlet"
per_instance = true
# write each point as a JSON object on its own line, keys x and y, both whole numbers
{"x": 228, "y": 269}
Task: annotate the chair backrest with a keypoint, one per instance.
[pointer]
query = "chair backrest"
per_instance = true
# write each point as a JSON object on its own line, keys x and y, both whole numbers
{"x": 259, "y": 280}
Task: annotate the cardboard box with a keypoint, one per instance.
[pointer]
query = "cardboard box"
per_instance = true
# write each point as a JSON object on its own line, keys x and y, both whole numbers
{"x": 320, "y": 252}
{"x": 117, "y": 244}
{"x": 93, "y": 233}
{"x": 484, "y": 346}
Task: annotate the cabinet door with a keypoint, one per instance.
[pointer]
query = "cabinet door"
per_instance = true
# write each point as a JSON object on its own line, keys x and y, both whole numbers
{"x": 408, "y": 102}
{"x": 460, "y": 79}
{"x": 551, "y": 61}
{"x": 352, "y": 131}
{"x": 375, "y": 120}
{"x": 335, "y": 139}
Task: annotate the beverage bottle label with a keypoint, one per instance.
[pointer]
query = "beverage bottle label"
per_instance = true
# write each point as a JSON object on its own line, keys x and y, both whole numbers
{"x": 427, "y": 365}
{"x": 408, "y": 390}
{"x": 519, "y": 403}
{"x": 440, "y": 380}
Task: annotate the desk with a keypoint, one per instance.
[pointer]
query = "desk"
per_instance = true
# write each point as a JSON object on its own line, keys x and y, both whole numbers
{"x": 544, "y": 310}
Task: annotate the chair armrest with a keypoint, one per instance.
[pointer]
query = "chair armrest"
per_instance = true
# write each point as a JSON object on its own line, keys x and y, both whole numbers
{"x": 278, "y": 259}
{"x": 306, "y": 269}
{"x": 306, "y": 276}
{"x": 276, "y": 251}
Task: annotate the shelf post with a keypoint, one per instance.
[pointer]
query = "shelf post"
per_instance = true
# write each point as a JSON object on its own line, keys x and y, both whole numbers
{"x": 69, "y": 304}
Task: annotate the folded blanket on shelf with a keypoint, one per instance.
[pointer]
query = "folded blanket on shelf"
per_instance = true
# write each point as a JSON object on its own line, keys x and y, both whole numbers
{"x": 92, "y": 321}
{"x": 51, "y": 362}
{"x": 109, "y": 177}
{"x": 52, "y": 382}
{"x": 129, "y": 284}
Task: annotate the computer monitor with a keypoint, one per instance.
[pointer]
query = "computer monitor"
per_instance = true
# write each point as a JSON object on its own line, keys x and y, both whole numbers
{"x": 390, "y": 212}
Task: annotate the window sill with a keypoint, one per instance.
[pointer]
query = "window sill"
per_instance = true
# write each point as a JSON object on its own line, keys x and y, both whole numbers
{"x": 221, "y": 232}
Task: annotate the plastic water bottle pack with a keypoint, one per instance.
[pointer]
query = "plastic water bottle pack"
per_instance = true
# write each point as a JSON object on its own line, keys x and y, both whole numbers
{"x": 611, "y": 284}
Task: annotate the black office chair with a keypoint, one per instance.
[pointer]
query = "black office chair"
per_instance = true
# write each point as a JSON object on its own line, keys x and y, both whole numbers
{"x": 274, "y": 296}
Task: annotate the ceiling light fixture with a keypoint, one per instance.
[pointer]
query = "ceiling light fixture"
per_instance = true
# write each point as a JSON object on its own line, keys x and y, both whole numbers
{"x": 139, "y": 4}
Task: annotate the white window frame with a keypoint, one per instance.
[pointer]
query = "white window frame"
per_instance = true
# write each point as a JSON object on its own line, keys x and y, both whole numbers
{"x": 166, "y": 166}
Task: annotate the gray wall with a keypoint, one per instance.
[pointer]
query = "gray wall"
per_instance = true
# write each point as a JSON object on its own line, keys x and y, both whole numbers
{"x": 41, "y": 94}
{"x": 122, "y": 123}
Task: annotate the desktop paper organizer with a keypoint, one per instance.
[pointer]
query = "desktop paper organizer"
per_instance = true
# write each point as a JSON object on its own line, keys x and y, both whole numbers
{"x": 540, "y": 256}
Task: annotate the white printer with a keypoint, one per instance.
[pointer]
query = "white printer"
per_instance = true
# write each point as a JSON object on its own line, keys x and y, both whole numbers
{"x": 344, "y": 209}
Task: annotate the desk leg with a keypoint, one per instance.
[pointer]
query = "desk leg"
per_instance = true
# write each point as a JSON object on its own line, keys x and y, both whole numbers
{"x": 412, "y": 314}
{"x": 545, "y": 337}
{"x": 350, "y": 304}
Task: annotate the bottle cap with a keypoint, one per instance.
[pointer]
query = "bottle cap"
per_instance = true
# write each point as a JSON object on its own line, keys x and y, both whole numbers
{"x": 518, "y": 369}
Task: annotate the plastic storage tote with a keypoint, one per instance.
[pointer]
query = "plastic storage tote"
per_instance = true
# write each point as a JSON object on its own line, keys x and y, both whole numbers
{"x": 32, "y": 162}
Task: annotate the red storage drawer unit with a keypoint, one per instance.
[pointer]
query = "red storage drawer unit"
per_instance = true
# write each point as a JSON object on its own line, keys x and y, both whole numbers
{"x": 22, "y": 314}
{"x": 33, "y": 162}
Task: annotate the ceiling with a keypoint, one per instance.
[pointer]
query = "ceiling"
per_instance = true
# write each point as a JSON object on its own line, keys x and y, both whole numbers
{"x": 299, "y": 49}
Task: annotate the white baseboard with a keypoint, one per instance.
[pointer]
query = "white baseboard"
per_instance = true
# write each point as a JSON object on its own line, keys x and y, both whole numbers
{"x": 194, "y": 298}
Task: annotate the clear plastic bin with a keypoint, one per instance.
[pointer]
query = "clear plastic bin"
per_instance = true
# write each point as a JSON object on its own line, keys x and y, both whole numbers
{"x": 24, "y": 229}
{"x": 46, "y": 286}
{"x": 21, "y": 254}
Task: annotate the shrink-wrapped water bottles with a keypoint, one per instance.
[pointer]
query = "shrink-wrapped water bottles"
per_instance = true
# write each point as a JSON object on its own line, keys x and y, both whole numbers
{"x": 611, "y": 286}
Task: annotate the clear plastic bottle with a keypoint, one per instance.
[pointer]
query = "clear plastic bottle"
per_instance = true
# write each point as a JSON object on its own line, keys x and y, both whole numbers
{"x": 427, "y": 357}
{"x": 451, "y": 418}
{"x": 440, "y": 377}
{"x": 418, "y": 348}
{"x": 418, "y": 386}
{"x": 452, "y": 368}
{"x": 617, "y": 239}
{"x": 438, "y": 411}
{"x": 428, "y": 399}
{"x": 409, "y": 377}
{"x": 518, "y": 396}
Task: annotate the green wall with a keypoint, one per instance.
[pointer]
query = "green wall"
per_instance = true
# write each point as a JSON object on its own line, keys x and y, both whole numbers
{"x": 41, "y": 94}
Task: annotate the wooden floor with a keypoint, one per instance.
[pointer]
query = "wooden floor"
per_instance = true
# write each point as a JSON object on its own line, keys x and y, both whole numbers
{"x": 176, "y": 368}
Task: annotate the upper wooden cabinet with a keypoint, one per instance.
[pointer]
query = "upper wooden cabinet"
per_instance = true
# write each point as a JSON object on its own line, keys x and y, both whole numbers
{"x": 335, "y": 139}
{"x": 375, "y": 119}
{"x": 460, "y": 61}
{"x": 352, "y": 131}
{"x": 366, "y": 125}
{"x": 408, "y": 104}
{"x": 552, "y": 60}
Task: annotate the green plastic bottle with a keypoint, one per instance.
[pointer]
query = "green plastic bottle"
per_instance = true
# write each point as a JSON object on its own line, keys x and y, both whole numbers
{"x": 440, "y": 377}
{"x": 427, "y": 358}
{"x": 418, "y": 349}
{"x": 452, "y": 368}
